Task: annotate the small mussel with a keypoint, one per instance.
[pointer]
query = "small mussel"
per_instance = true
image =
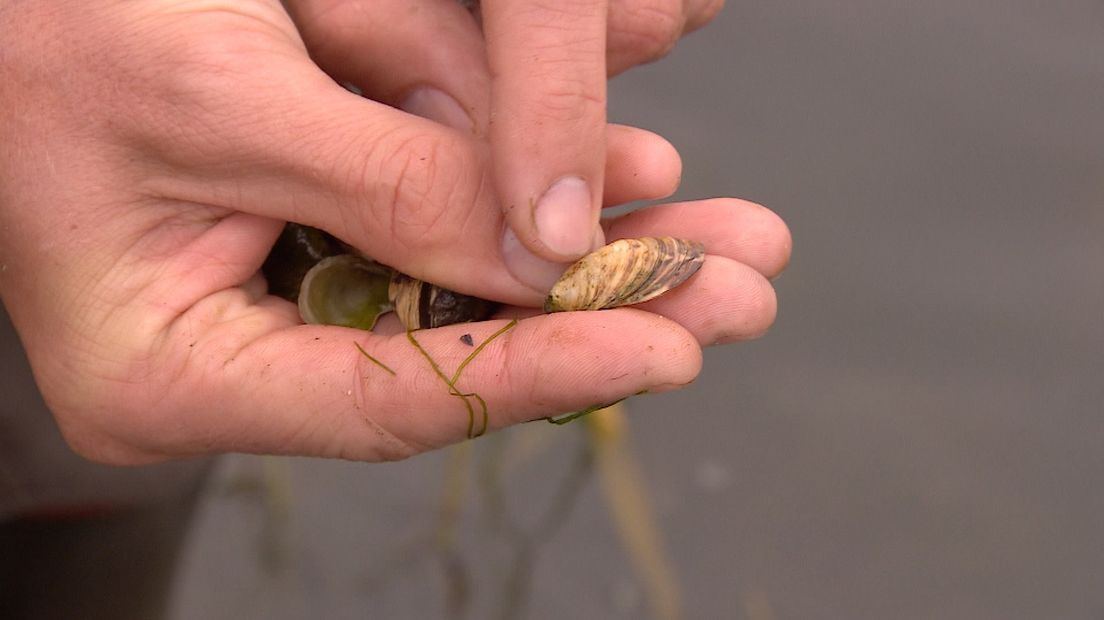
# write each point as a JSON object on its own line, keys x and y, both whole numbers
{"x": 421, "y": 305}
{"x": 625, "y": 272}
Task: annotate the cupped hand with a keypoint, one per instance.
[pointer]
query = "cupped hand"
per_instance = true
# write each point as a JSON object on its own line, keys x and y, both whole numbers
{"x": 153, "y": 151}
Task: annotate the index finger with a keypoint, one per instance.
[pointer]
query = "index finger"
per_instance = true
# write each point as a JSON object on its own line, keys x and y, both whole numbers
{"x": 548, "y": 111}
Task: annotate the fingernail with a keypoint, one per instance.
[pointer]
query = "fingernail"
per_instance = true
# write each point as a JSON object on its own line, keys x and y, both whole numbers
{"x": 529, "y": 269}
{"x": 436, "y": 105}
{"x": 565, "y": 219}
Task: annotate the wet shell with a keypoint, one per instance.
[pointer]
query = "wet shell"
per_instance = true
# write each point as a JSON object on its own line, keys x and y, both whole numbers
{"x": 627, "y": 271}
{"x": 345, "y": 290}
{"x": 421, "y": 305}
{"x": 297, "y": 249}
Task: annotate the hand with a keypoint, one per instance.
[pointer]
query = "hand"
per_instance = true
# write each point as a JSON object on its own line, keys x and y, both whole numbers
{"x": 550, "y": 62}
{"x": 152, "y": 153}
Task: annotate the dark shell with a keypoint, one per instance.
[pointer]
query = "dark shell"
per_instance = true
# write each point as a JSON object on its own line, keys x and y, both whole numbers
{"x": 297, "y": 249}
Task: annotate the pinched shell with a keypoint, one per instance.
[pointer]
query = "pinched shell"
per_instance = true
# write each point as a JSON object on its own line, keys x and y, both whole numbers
{"x": 421, "y": 305}
{"x": 625, "y": 272}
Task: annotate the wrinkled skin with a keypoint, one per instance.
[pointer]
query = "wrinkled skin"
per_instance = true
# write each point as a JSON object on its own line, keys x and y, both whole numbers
{"x": 153, "y": 150}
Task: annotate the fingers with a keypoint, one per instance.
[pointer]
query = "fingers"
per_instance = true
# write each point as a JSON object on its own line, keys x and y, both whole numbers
{"x": 724, "y": 302}
{"x": 428, "y": 60}
{"x": 548, "y": 102}
{"x": 736, "y": 229}
{"x": 439, "y": 48}
{"x": 701, "y": 12}
{"x": 642, "y": 31}
{"x": 406, "y": 191}
{"x": 443, "y": 77}
{"x": 641, "y": 166}
{"x": 256, "y": 127}
{"x": 347, "y": 406}
{"x": 730, "y": 298}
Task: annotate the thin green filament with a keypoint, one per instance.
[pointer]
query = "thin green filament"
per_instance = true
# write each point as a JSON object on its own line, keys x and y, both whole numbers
{"x": 451, "y": 383}
{"x": 569, "y": 417}
{"x": 452, "y": 388}
{"x": 482, "y": 345}
{"x": 372, "y": 359}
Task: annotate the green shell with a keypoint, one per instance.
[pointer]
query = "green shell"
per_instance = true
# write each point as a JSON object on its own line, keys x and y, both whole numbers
{"x": 345, "y": 290}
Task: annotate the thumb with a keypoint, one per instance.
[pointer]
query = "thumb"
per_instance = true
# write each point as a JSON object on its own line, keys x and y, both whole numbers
{"x": 278, "y": 138}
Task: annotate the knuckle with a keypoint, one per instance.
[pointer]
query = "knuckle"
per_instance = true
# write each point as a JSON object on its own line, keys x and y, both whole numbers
{"x": 703, "y": 13}
{"x": 416, "y": 192}
{"x": 567, "y": 99}
{"x": 650, "y": 31}
{"x": 326, "y": 25}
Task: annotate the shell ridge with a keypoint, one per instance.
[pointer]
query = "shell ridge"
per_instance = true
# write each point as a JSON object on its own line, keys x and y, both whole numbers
{"x": 625, "y": 272}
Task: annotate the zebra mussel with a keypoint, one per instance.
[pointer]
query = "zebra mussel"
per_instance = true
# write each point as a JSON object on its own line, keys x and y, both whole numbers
{"x": 625, "y": 272}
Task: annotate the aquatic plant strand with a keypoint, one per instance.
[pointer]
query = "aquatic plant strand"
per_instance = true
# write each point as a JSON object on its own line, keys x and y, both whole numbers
{"x": 451, "y": 383}
{"x": 374, "y": 360}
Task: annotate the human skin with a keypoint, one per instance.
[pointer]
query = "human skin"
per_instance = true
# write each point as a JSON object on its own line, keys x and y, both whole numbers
{"x": 152, "y": 152}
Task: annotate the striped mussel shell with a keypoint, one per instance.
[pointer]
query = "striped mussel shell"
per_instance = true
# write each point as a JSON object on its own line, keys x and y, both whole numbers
{"x": 625, "y": 272}
{"x": 421, "y": 305}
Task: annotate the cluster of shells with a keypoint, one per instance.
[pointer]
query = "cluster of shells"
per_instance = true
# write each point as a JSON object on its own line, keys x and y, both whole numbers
{"x": 335, "y": 285}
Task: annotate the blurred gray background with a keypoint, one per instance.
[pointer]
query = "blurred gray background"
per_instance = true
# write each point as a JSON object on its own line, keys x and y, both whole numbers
{"x": 920, "y": 436}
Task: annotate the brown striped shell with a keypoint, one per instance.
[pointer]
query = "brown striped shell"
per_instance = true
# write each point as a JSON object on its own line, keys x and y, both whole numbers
{"x": 421, "y": 305}
{"x": 625, "y": 272}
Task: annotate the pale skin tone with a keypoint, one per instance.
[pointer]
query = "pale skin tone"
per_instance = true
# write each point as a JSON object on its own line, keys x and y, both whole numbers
{"x": 152, "y": 151}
